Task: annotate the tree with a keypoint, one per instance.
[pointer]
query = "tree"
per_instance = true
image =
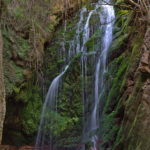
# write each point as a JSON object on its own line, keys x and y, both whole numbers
{"x": 2, "y": 90}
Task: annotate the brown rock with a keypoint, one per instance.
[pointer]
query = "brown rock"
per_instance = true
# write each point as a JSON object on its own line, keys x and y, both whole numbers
{"x": 8, "y": 147}
{"x": 145, "y": 57}
{"x": 130, "y": 83}
{"x": 146, "y": 91}
{"x": 26, "y": 147}
{"x": 20, "y": 63}
{"x": 144, "y": 69}
{"x": 27, "y": 74}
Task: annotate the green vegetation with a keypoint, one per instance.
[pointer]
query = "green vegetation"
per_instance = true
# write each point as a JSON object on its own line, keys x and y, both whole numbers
{"x": 15, "y": 54}
{"x": 121, "y": 68}
{"x": 25, "y": 108}
{"x": 91, "y": 43}
{"x": 35, "y": 47}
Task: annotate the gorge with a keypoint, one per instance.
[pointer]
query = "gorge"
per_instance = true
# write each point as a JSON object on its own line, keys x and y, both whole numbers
{"x": 77, "y": 75}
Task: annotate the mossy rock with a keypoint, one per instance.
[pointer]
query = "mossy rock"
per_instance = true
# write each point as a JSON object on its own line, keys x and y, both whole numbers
{"x": 91, "y": 43}
{"x": 13, "y": 76}
{"x": 118, "y": 42}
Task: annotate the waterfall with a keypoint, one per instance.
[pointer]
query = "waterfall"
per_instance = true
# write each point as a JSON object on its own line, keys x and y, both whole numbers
{"x": 107, "y": 16}
{"x": 98, "y": 55}
{"x": 106, "y": 20}
{"x": 49, "y": 104}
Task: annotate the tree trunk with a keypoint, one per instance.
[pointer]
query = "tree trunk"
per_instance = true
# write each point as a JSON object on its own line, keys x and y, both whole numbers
{"x": 2, "y": 90}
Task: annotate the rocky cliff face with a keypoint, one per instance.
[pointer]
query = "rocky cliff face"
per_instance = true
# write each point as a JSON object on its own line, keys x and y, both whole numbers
{"x": 136, "y": 115}
{"x": 126, "y": 112}
{"x": 135, "y": 103}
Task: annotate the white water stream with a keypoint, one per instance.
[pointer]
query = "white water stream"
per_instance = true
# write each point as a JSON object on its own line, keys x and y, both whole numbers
{"x": 107, "y": 17}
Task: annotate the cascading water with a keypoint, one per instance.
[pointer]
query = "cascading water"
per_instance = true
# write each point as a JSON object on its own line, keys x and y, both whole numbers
{"x": 49, "y": 103}
{"x": 106, "y": 20}
{"x": 44, "y": 138}
{"x": 84, "y": 31}
{"x": 107, "y": 17}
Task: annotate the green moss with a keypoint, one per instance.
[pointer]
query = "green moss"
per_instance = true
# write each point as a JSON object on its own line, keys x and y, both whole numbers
{"x": 15, "y": 44}
{"x": 119, "y": 1}
{"x": 123, "y": 68}
{"x": 134, "y": 115}
{"x": 94, "y": 18}
{"x": 19, "y": 12}
{"x": 56, "y": 123}
{"x": 7, "y": 43}
{"x": 27, "y": 92}
{"x": 117, "y": 69}
{"x": 119, "y": 138}
{"x": 109, "y": 127}
{"x": 109, "y": 122}
{"x": 15, "y": 47}
{"x": 135, "y": 92}
{"x": 118, "y": 42}
{"x": 30, "y": 114}
{"x": 23, "y": 47}
{"x": 67, "y": 121}
{"x": 91, "y": 43}
{"x": 124, "y": 18}
{"x": 134, "y": 59}
{"x": 70, "y": 99}
{"x": 23, "y": 114}
{"x": 13, "y": 76}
